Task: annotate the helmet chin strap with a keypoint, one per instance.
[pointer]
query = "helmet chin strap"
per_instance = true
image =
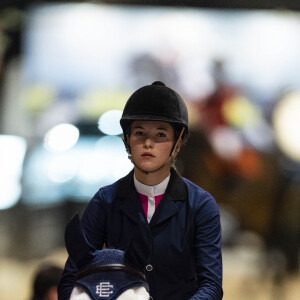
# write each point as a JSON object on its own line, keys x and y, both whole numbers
{"x": 164, "y": 164}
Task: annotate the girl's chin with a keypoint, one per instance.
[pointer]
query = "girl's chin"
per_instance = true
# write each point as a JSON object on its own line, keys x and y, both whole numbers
{"x": 147, "y": 168}
{"x": 151, "y": 167}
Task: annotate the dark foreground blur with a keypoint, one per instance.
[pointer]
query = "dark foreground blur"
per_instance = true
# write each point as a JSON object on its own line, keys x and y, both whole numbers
{"x": 245, "y": 276}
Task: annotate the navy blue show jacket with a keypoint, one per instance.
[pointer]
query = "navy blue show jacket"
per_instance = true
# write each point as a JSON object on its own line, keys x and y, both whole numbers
{"x": 186, "y": 238}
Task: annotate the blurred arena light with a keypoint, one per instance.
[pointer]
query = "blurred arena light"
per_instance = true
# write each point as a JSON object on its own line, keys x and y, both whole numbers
{"x": 109, "y": 122}
{"x": 75, "y": 173}
{"x": 240, "y": 112}
{"x": 61, "y": 137}
{"x": 226, "y": 142}
{"x": 62, "y": 168}
{"x": 260, "y": 136}
{"x": 12, "y": 152}
{"x": 286, "y": 122}
{"x": 109, "y": 161}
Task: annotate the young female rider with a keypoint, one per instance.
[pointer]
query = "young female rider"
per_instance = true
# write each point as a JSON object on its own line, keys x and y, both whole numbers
{"x": 185, "y": 260}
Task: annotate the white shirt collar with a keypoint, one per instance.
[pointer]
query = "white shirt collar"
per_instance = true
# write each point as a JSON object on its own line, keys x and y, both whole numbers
{"x": 151, "y": 190}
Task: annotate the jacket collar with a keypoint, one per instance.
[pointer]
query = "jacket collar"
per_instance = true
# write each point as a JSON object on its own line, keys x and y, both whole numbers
{"x": 132, "y": 207}
{"x": 176, "y": 188}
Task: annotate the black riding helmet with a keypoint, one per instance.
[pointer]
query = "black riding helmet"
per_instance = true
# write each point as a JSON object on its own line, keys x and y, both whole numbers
{"x": 155, "y": 102}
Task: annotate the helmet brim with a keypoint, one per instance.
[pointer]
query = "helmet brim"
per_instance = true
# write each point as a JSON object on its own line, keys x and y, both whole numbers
{"x": 125, "y": 121}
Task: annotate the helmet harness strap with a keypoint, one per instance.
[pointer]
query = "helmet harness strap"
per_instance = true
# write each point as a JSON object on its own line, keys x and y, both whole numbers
{"x": 166, "y": 162}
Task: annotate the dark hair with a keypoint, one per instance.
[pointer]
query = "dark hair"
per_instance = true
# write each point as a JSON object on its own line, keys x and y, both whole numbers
{"x": 46, "y": 277}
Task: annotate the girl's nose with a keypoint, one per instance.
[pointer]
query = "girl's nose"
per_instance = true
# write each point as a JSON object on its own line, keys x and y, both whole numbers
{"x": 148, "y": 143}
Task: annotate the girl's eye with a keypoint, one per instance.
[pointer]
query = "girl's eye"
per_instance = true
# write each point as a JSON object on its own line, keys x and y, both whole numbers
{"x": 138, "y": 133}
{"x": 161, "y": 134}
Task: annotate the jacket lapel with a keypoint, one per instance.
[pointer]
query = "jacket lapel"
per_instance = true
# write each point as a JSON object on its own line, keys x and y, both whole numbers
{"x": 132, "y": 207}
{"x": 165, "y": 210}
{"x": 176, "y": 191}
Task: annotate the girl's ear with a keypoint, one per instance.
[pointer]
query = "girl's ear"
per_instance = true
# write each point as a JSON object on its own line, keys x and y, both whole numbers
{"x": 179, "y": 143}
{"x": 178, "y": 146}
{"x": 127, "y": 139}
{"x": 126, "y": 143}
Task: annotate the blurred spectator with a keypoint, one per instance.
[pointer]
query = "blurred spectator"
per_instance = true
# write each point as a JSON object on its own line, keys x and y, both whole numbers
{"x": 45, "y": 282}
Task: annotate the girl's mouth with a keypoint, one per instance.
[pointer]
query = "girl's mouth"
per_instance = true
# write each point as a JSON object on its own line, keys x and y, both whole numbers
{"x": 147, "y": 154}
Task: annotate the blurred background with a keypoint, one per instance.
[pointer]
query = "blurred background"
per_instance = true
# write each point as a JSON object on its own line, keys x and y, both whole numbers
{"x": 66, "y": 71}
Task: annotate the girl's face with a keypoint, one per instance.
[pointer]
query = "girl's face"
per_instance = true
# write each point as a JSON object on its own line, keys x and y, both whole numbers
{"x": 151, "y": 143}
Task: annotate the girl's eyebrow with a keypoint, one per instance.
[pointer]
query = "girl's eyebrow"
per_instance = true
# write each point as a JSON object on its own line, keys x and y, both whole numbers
{"x": 162, "y": 128}
{"x": 139, "y": 127}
